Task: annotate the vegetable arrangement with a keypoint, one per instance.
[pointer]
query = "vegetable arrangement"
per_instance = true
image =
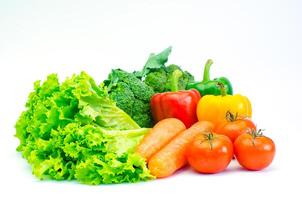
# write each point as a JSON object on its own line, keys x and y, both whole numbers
{"x": 137, "y": 126}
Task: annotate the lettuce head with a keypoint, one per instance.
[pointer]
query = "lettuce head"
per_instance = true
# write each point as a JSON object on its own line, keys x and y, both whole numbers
{"x": 74, "y": 131}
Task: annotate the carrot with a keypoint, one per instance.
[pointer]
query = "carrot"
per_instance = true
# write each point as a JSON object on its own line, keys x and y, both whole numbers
{"x": 172, "y": 157}
{"x": 160, "y": 135}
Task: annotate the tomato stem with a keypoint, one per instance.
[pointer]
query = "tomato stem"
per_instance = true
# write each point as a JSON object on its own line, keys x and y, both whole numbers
{"x": 210, "y": 138}
{"x": 255, "y": 133}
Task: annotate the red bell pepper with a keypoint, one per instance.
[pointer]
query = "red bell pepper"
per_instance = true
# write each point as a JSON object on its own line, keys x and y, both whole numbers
{"x": 176, "y": 104}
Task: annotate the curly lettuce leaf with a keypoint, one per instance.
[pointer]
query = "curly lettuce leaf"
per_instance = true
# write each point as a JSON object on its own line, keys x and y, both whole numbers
{"x": 95, "y": 105}
{"x": 119, "y": 164}
{"x": 74, "y": 130}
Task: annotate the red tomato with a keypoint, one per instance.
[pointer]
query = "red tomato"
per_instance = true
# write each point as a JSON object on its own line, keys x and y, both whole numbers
{"x": 254, "y": 151}
{"x": 234, "y": 126}
{"x": 210, "y": 153}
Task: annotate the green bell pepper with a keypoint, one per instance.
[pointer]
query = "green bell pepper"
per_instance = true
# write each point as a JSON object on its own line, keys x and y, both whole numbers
{"x": 207, "y": 86}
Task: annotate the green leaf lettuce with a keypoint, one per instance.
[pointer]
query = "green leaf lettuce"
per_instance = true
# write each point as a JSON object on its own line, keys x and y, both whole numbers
{"x": 73, "y": 130}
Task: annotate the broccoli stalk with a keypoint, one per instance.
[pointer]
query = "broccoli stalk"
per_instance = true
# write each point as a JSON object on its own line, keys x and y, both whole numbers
{"x": 174, "y": 81}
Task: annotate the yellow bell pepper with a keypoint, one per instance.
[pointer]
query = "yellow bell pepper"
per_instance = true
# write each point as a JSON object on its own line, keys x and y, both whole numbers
{"x": 214, "y": 108}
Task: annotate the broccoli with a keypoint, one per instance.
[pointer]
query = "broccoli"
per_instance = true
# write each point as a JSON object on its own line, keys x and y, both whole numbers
{"x": 157, "y": 80}
{"x": 131, "y": 95}
{"x": 132, "y": 91}
{"x": 160, "y": 78}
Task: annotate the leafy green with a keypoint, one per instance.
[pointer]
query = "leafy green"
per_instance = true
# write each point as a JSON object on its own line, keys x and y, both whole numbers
{"x": 155, "y": 61}
{"x": 159, "y": 76}
{"x": 74, "y": 130}
{"x": 131, "y": 95}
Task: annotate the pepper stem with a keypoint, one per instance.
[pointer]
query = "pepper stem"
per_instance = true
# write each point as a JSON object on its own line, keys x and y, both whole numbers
{"x": 206, "y": 72}
{"x": 175, "y": 78}
{"x": 231, "y": 117}
{"x": 222, "y": 88}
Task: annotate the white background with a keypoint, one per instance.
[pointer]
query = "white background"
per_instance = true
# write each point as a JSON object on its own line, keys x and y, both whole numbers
{"x": 257, "y": 44}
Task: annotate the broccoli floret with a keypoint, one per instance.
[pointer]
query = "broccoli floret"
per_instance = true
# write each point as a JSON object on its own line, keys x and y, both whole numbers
{"x": 143, "y": 114}
{"x": 160, "y": 78}
{"x": 131, "y": 95}
{"x": 123, "y": 96}
{"x": 157, "y": 80}
{"x": 183, "y": 80}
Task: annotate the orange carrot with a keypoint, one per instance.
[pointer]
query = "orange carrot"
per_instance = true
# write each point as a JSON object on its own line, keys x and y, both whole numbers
{"x": 172, "y": 157}
{"x": 160, "y": 135}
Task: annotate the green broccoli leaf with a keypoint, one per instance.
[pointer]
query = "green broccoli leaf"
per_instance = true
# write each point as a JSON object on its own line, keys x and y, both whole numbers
{"x": 155, "y": 61}
{"x": 159, "y": 76}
